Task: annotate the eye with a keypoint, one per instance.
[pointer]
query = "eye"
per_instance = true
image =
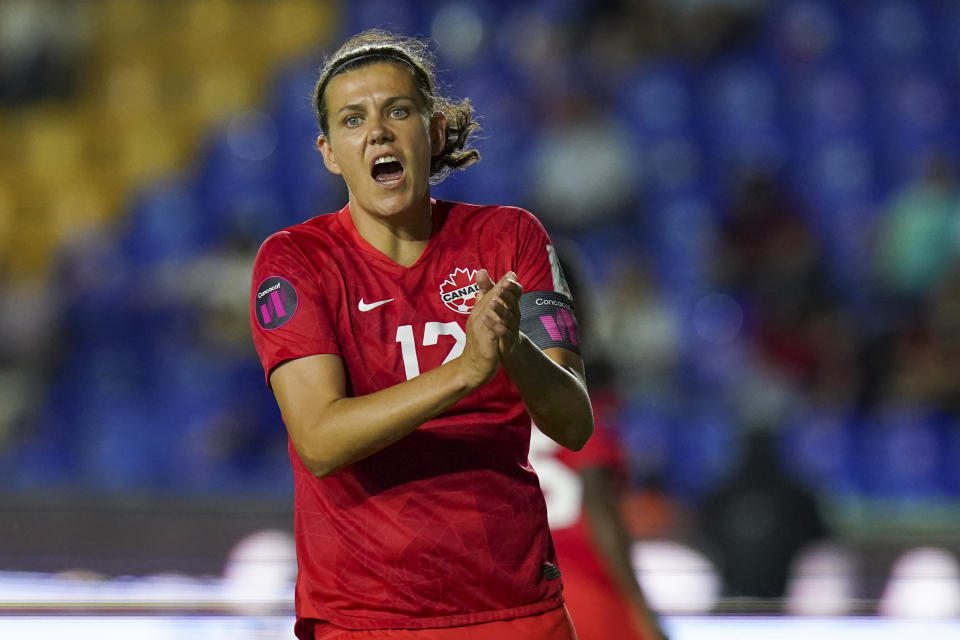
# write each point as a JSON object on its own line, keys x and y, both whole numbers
{"x": 399, "y": 112}
{"x": 352, "y": 121}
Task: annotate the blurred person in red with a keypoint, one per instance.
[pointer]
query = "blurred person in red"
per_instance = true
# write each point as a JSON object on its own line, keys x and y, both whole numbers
{"x": 408, "y": 378}
{"x": 584, "y": 492}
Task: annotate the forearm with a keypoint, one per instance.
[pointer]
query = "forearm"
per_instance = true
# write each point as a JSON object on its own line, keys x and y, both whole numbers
{"x": 555, "y": 395}
{"x": 348, "y": 429}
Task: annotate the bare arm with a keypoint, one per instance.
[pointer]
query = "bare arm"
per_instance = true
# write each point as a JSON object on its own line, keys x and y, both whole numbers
{"x": 551, "y": 382}
{"x": 554, "y": 390}
{"x": 330, "y": 430}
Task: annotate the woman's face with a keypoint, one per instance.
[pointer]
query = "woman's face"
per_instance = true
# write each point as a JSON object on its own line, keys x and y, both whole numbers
{"x": 381, "y": 140}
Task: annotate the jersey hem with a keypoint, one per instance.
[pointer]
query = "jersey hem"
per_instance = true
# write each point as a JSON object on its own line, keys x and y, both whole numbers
{"x": 461, "y": 620}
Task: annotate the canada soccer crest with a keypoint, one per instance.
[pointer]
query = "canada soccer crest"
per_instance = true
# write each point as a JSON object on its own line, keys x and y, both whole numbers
{"x": 459, "y": 290}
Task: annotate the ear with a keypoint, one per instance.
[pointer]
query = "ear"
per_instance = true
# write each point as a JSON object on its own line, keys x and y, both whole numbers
{"x": 438, "y": 133}
{"x": 329, "y": 161}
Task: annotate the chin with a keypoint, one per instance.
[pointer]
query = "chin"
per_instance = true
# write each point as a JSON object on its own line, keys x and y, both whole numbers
{"x": 396, "y": 202}
{"x": 393, "y": 205}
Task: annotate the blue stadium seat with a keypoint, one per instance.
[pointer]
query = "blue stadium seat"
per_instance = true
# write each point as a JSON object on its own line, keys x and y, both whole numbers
{"x": 647, "y": 426}
{"x": 119, "y": 445}
{"x": 740, "y": 106}
{"x": 681, "y": 227}
{"x": 899, "y": 455}
{"x": 890, "y": 34}
{"x": 945, "y": 20}
{"x": 165, "y": 224}
{"x": 657, "y": 100}
{"x": 672, "y": 167}
{"x": 235, "y": 180}
{"x": 801, "y": 34}
{"x": 704, "y": 448}
{"x": 950, "y": 461}
{"x": 505, "y": 138}
{"x": 739, "y": 92}
{"x": 827, "y": 102}
{"x": 913, "y": 122}
{"x": 845, "y": 232}
{"x": 712, "y": 368}
{"x": 817, "y": 445}
{"x": 604, "y": 246}
{"x": 836, "y": 172}
{"x": 303, "y": 185}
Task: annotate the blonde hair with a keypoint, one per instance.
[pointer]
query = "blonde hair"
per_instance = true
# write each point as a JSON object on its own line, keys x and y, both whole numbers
{"x": 374, "y": 45}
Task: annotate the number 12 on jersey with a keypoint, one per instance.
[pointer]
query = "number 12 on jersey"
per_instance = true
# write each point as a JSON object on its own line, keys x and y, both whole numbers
{"x": 431, "y": 334}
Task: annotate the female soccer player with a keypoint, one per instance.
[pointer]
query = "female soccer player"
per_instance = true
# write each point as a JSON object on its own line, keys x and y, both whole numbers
{"x": 409, "y": 342}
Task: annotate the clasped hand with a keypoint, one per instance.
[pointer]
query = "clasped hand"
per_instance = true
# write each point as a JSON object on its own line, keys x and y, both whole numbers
{"x": 493, "y": 328}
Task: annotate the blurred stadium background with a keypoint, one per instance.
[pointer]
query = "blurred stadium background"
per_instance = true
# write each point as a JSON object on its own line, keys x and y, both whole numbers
{"x": 762, "y": 198}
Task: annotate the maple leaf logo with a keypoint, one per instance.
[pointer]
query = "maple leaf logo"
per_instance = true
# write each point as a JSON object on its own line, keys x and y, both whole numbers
{"x": 459, "y": 290}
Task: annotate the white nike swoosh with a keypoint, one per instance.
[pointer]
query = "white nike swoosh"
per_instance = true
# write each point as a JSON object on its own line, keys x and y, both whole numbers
{"x": 363, "y": 306}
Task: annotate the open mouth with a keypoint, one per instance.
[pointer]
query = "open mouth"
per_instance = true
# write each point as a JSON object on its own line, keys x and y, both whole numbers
{"x": 387, "y": 170}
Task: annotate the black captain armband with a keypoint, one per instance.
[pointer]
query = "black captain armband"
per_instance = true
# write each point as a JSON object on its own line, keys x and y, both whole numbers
{"x": 546, "y": 317}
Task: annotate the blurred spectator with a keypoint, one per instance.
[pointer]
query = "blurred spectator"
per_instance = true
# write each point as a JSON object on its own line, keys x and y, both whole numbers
{"x": 617, "y": 35}
{"x": 908, "y": 356}
{"x": 917, "y": 236}
{"x": 837, "y": 375}
{"x": 28, "y": 347}
{"x": 41, "y": 49}
{"x": 711, "y": 27}
{"x": 770, "y": 259}
{"x": 637, "y": 333}
{"x": 583, "y": 170}
{"x": 926, "y": 367}
{"x": 767, "y": 253}
{"x": 758, "y": 521}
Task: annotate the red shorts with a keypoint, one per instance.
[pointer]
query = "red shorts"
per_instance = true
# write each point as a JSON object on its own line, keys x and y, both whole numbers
{"x": 552, "y": 625}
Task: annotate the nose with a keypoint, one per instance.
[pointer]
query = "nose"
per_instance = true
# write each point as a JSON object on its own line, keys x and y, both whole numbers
{"x": 379, "y": 130}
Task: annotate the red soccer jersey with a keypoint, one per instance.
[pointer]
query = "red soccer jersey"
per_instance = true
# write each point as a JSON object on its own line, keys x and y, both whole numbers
{"x": 447, "y": 526}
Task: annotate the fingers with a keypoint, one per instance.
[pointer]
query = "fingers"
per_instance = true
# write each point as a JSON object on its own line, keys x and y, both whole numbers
{"x": 510, "y": 286}
{"x": 493, "y": 326}
{"x": 502, "y": 313}
{"x": 503, "y": 298}
{"x": 498, "y": 305}
{"x": 484, "y": 281}
{"x": 507, "y": 310}
{"x": 508, "y": 289}
{"x": 507, "y": 302}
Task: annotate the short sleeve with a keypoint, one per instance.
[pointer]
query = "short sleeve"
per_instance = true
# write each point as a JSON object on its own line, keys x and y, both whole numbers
{"x": 538, "y": 268}
{"x": 288, "y": 316}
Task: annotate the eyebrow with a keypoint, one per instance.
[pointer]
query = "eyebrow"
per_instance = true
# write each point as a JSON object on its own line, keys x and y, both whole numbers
{"x": 386, "y": 103}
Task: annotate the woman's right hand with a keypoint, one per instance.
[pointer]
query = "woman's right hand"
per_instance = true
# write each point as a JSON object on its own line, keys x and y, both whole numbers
{"x": 481, "y": 353}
